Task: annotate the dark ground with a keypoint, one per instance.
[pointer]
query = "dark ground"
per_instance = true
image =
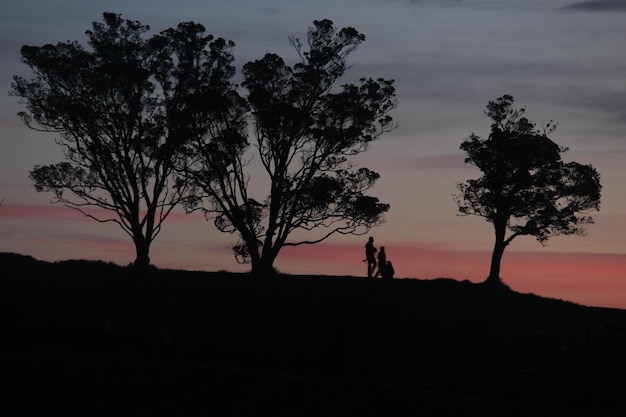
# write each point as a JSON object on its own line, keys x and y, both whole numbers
{"x": 93, "y": 338}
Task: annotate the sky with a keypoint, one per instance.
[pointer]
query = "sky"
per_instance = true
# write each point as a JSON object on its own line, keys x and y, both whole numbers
{"x": 562, "y": 60}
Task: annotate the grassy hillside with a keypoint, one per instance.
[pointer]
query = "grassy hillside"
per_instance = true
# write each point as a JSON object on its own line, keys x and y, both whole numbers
{"x": 95, "y": 338}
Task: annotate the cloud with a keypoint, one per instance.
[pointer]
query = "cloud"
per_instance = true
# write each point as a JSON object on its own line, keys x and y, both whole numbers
{"x": 60, "y": 212}
{"x": 34, "y": 212}
{"x": 272, "y": 11}
{"x": 447, "y": 162}
{"x": 598, "y": 6}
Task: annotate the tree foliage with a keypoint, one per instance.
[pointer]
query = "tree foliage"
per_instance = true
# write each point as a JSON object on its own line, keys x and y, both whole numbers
{"x": 526, "y": 188}
{"x": 124, "y": 109}
{"x": 304, "y": 128}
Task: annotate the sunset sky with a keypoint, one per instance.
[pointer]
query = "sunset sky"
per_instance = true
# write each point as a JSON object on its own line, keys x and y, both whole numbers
{"x": 561, "y": 59}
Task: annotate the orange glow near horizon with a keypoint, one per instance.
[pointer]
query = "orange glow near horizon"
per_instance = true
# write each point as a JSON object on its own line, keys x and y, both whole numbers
{"x": 594, "y": 279}
{"x": 585, "y": 278}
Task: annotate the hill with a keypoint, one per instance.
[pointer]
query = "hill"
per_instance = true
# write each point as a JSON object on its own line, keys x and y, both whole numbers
{"x": 93, "y": 337}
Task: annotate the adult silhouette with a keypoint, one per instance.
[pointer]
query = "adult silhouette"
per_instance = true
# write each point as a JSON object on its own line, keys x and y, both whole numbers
{"x": 370, "y": 256}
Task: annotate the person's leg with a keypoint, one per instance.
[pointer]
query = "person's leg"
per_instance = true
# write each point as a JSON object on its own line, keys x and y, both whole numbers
{"x": 371, "y": 265}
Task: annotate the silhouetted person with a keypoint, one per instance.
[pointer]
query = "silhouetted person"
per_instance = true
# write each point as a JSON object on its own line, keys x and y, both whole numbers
{"x": 388, "y": 271}
{"x": 370, "y": 256}
{"x": 382, "y": 262}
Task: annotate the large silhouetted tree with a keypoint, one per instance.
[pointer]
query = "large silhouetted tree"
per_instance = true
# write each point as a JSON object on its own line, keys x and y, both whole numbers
{"x": 123, "y": 109}
{"x": 526, "y": 188}
{"x": 305, "y": 128}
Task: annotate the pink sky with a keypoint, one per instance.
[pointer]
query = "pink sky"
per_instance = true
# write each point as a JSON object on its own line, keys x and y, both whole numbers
{"x": 595, "y": 279}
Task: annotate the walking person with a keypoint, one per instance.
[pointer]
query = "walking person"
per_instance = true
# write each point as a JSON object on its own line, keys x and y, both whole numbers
{"x": 370, "y": 256}
{"x": 382, "y": 263}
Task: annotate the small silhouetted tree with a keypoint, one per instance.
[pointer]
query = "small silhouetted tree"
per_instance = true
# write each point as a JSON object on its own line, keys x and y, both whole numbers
{"x": 526, "y": 188}
{"x": 305, "y": 128}
{"x": 124, "y": 110}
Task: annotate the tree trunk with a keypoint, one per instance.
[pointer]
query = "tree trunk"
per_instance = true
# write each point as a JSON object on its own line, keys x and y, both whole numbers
{"x": 494, "y": 270}
{"x": 496, "y": 257}
{"x": 142, "y": 249}
{"x": 263, "y": 266}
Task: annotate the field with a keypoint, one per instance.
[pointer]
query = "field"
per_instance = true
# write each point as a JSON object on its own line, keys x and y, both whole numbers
{"x": 94, "y": 338}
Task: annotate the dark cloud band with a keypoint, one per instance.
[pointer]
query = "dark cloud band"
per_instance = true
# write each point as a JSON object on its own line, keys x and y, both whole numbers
{"x": 598, "y": 6}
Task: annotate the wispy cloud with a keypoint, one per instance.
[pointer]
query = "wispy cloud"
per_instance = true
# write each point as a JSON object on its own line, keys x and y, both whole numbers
{"x": 598, "y": 6}
{"x": 455, "y": 162}
{"x": 33, "y": 212}
{"x": 60, "y": 212}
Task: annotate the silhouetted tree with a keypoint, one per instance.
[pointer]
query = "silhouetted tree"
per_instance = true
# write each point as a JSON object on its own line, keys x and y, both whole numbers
{"x": 305, "y": 128}
{"x": 123, "y": 109}
{"x": 526, "y": 188}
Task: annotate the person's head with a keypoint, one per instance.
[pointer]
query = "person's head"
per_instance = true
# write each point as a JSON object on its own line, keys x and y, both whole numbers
{"x": 382, "y": 248}
{"x": 371, "y": 239}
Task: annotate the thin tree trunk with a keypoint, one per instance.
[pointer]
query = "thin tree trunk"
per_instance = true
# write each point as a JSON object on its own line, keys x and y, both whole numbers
{"x": 494, "y": 270}
{"x": 496, "y": 257}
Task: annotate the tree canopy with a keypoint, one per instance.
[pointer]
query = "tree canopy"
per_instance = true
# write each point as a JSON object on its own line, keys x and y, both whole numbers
{"x": 304, "y": 128}
{"x": 526, "y": 187}
{"x": 124, "y": 109}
